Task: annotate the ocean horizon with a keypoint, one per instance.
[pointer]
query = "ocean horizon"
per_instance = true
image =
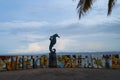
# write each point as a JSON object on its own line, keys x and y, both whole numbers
{"x": 60, "y": 53}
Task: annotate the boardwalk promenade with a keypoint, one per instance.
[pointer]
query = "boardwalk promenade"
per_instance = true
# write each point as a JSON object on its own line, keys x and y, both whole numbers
{"x": 61, "y": 74}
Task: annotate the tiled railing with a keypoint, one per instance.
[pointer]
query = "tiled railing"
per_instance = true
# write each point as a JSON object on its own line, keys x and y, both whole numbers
{"x": 8, "y": 63}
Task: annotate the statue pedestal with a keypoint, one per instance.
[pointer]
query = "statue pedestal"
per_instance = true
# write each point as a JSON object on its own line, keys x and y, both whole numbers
{"x": 52, "y": 60}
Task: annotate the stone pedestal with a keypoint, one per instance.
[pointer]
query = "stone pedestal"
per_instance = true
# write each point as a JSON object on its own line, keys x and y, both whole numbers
{"x": 52, "y": 60}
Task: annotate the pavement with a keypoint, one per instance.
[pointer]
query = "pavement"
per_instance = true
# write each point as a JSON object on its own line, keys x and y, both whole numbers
{"x": 61, "y": 74}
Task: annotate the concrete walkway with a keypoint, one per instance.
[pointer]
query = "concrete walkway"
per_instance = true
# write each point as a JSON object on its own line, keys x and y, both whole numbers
{"x": 61, "y": 74}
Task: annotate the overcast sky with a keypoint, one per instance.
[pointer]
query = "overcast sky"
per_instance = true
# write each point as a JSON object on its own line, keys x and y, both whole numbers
{"x": 26, "y": 25}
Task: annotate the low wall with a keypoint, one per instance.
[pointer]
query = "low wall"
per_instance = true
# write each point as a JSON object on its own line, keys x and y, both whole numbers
{"x": 108, "y": 61}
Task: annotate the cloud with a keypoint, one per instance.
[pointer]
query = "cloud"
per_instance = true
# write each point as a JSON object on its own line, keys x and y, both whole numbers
{"x": 35, "y": 47}
{"x": 23, "y": 24}
{"x": 42, "y": 46}
{"x": 65, "y": 44}
{"x": 33, "y": 22}
{"x": 32, "y": 38}
{"x": 89, "y": 25}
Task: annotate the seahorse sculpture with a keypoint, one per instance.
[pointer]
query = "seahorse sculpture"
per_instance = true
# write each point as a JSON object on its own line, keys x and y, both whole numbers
{"x": 53, "y": 42}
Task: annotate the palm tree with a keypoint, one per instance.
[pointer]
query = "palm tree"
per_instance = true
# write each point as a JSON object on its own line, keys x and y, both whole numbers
{"x": 84, "y": 5}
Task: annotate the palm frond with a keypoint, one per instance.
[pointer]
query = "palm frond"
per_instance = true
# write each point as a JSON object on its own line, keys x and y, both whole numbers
{"x": 83, "y": 6}
{"x": 111, "y": 3}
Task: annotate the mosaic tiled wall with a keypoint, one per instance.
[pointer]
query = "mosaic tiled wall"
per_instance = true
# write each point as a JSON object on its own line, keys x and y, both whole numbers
{"x": 63, "y": 61}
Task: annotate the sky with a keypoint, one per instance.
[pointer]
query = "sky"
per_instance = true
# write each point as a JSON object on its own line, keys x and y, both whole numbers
{"x": 26, "y": 25}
